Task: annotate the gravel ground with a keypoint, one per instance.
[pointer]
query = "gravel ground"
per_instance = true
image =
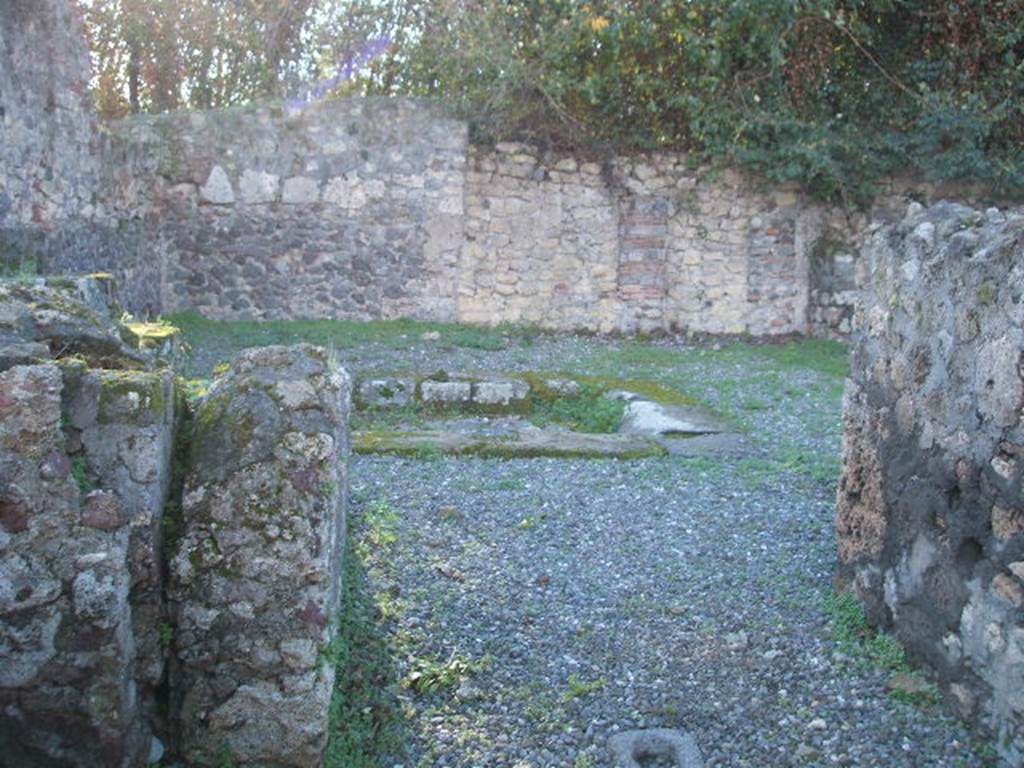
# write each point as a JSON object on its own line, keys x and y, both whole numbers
{"x": 604, "y": 595}
{"x": 611, "y": 595}
{"x": 595, "y": 596}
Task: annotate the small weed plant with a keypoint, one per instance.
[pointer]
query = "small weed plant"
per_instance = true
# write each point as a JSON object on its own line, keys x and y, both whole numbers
{"x": 428, "y": 676}
{"x": 579, "y": 688}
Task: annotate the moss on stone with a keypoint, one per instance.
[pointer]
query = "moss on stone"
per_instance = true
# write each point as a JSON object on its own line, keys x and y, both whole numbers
{"x": 987, "y": 294}
{"x": 149, "y": 335}
{"x": 405, "y": 444}
{"x": 115, "y": 386}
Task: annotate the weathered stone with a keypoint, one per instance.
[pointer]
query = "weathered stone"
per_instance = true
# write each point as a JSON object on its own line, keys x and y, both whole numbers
{"x": 929, "y": 499}
{"x": 645, "y": 417}
{"x": 103, "y": 511}
{"x": 68, "y": 692}
{"x": 161, "y": 342}
{"x": 523, "y": 443}
{"x": 563, "y": 387}
{"x": 48, "y": 170}
{"x": 255, "y": 575}
{"x": 386, "y": 392}
{"x": 258, "y": 186}
{"x": 1006, "y": 523}
{"x": 629, "y": 748}
{"x": 1009, "y": 589}
{"x": 860, "y": 506}
{"x": 505, "y": 393}
{"x": 59, "y": 318}
{"x": 217, "y": 189}
{"x": 445, "y": 392}
{"x": 300, "y": 190}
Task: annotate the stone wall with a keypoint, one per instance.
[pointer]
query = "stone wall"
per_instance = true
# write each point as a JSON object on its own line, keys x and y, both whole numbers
{"x": 349, "y": 209}
{"x": 55, "y": 178}
{"x": 84, "y": 477}
{"x": 256, "y": 577}
{"x": 931, "y": 504}
{"x": 640, "y": 244}
{"x": 106, "y": 661}
{"x": 47, "y": 164}
{"x": 378, "y": 208}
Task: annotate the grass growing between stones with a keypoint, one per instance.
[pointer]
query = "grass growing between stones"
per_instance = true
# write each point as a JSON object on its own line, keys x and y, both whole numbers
{"x": 587, "y": 411}
{"x": 876, "y": 649}
{"x": 858, "y": 639}
{"x": 366, "y": 723}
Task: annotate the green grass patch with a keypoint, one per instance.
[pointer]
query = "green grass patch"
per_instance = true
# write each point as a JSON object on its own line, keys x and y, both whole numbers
{"x": 427, "y": 676}
{"x": 587, "y": 411}
{"x": 821, "y": 355}
{"x": 82, "y": 475}
{"x": 817, "y": 468}
{"x": 380, "y": 532}
{"x": 366, "y": 724}
{"x": 830, "y": 358}
{"x": 859, "y": 640}
{"x": 227, "y": 337}
{"x": 365, "y": 719}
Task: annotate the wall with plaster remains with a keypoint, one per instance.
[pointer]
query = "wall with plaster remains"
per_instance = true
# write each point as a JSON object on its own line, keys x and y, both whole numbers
{"x": 931, "y": 503}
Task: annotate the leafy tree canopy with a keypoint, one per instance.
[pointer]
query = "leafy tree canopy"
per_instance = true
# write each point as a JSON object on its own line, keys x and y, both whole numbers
{"x": 831, "y": 93}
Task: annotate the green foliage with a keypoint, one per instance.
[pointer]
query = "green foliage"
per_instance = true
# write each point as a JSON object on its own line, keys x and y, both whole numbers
{"x": 832, "y": 94}
{"x": 381, "y": 529}
{"x": 917, "y": 694}
{"x": 828, "y": 357}
{"x": 216, "y": 340}
{"x": 365, "y": 723}
{"x": 427, "y": 676}
{"x": 81, "y": 474}
{"x": 587, "y": 411}
{"x": 225, "y": 757}
{"x": 858, "y": 639}
{"x": 166, "y": 633}
{"x": 579, "y": 688}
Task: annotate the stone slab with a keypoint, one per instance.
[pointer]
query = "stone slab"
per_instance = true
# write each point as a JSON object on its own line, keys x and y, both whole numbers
{"x": 645, "y": 417}
{"x": 526, "y": 443}
{"x": 630, "y": 747}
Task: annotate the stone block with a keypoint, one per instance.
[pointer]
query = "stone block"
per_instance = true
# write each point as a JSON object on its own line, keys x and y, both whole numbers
{"x": 502, "y": 392}
{"x": 256, "y": 572}
{"x": 446, "y": 392}
{"x": 217, "y": 190}
{"x": 258, "y": 187}
{"x": 668, "y": 747}
{"x": 300, "y": 190}
{"x": 386, "y": 392}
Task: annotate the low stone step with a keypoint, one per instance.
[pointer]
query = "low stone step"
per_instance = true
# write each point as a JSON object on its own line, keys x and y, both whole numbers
{"x": 524, "y": 444}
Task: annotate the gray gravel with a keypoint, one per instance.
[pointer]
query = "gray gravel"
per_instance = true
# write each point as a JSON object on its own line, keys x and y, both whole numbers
{"x": 602, "y": 595}
{"x": 678, "y": 593}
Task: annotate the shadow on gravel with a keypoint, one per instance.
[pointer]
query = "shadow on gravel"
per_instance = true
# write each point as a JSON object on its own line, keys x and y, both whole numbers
{"x": 366, "y": 723}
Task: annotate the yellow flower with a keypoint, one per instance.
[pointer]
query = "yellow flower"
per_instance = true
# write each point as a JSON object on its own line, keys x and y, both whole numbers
{"x": 599, "y": 23}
